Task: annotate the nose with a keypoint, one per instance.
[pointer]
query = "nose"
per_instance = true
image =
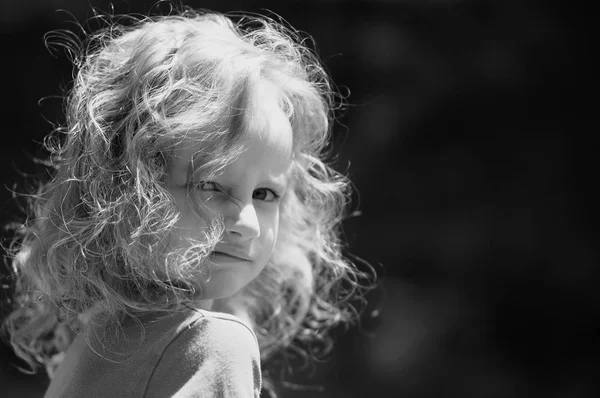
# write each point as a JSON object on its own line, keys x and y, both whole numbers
{"x": 242, "y": 221}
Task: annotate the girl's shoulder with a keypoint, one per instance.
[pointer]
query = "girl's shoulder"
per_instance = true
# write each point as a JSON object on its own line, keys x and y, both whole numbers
{"x": 213, "y": 325}
{"x": 211, "y": 349}
{"x": 189, "y": 329}
{"x": 162, "y": 354}
{"x": 175, "y": 322}
{"x": 196, "y": 332}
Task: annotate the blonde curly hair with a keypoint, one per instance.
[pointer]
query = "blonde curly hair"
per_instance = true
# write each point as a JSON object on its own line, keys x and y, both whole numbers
{"x": 94, "y": 242}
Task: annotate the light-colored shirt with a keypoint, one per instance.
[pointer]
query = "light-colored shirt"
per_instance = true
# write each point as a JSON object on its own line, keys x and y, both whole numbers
{"x": 195, "y": 353}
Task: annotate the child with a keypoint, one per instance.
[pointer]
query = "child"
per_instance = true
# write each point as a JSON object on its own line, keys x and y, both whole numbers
{"x": 191, "y": 221}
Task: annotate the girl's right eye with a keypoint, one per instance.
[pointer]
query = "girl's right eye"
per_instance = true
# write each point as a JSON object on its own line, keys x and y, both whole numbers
{"x": 208, "y": 186}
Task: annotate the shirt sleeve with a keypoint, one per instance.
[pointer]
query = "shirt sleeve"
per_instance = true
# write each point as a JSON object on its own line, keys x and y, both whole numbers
{"x": 213, "y": 357}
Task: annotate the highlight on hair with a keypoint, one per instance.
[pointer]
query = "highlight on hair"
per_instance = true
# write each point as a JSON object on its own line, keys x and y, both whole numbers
{"x": 94, "y": 243}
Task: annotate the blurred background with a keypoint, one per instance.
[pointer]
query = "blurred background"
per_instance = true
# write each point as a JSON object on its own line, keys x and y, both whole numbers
{"x": 468, "y": 140}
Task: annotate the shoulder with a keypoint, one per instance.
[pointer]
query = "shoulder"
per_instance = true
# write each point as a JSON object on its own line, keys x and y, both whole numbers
{"x": 219, "y": 333}
{"x": 218, "y": 320}
{"x": 194, "y": 325}
{"x": 215, "y": 352}
{"x": 216, "y": 327}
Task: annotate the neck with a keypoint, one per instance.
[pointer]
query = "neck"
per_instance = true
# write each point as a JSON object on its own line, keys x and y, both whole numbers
{"x": 234, "y": 307}
{"x": 205, "y": 305}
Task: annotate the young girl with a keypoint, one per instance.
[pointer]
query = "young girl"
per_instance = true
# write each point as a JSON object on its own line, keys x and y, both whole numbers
{"x": 191, "y": 221}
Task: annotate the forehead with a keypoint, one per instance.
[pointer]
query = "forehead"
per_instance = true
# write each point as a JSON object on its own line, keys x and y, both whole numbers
{"x": 264, "y": 120}
{"x": 267, "y": 137}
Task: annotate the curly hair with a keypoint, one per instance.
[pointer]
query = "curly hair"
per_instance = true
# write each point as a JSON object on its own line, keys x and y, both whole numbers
{"x": 94, "y": 242}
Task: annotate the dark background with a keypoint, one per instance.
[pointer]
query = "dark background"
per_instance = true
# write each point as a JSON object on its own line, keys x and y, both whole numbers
{"x": 470, "y": 140}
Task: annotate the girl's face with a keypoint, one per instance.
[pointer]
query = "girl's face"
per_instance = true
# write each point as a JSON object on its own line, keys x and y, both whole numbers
{"x": 246, "y": 194}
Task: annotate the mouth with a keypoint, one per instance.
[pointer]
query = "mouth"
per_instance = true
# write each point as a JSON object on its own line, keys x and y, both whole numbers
{"x": 228, "y": 256}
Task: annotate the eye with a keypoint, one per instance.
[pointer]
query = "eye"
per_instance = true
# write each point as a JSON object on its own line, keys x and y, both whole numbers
{"x": 208, "y": 186}
{"x": 265, "y": 194}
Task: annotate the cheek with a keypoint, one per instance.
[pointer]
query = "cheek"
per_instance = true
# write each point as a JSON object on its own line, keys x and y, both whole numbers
{"x": 189, "y": 225}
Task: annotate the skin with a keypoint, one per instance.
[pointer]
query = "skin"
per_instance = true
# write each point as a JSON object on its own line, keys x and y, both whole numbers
{"x": 247, "y": 195}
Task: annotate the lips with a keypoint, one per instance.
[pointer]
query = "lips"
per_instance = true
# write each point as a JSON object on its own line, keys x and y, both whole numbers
{"x": 232, "y": 254}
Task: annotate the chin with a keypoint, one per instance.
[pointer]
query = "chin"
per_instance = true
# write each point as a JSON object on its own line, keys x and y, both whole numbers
{"x": 222, "y": 286}
{"x": 227, "y": 281}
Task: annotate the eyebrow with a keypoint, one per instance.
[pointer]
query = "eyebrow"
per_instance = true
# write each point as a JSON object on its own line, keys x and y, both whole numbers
{"x": 281, "y": 182}
{"x": 280, "y": 185}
